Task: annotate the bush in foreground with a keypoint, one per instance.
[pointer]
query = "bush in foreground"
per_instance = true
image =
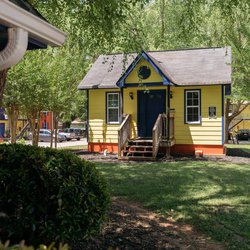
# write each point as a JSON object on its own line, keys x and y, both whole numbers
{"x": 22, "y": 246}
{"x": 49, "y": 195}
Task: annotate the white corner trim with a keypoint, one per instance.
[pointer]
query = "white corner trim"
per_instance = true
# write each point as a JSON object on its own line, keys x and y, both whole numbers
{"x": 13, "y": 16}
{"x": 15, "y": 49}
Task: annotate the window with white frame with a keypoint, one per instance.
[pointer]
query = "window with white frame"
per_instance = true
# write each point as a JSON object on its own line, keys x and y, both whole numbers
{"x": 113, "y": 108}
{"x": 192, "y": 107}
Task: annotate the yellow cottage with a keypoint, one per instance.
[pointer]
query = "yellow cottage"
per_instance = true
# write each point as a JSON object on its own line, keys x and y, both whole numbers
{"x": 170, "y": 101}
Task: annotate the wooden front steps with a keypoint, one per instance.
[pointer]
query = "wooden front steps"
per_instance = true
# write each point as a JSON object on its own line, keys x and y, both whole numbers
{"x": 138, "y": 150}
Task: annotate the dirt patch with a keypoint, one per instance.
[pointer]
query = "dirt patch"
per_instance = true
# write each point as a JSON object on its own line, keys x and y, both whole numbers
{"x": 226, "y": 158}
{"x": 229, "y": 158}
{"x": 98, "y": 157}
{"x": 233, "y": 158}
{"x": 130, "y": 226}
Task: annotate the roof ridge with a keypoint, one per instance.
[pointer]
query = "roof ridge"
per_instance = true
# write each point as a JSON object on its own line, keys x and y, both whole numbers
{"x": 184, "y": 49}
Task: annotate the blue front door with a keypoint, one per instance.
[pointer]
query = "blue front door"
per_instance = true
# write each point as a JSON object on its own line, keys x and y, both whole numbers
{"x": 150, "y": 105}
{"x": 2, "y": 128}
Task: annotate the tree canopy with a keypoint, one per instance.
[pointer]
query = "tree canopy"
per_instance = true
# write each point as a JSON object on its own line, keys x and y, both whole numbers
{"x": 96, "y": 27}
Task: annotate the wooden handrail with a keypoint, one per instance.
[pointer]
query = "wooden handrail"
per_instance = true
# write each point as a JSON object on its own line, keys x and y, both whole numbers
{"x": 171, "y": 129}
{"x": 123, "y": 133}
{"x": 157, "y": 135}
{"x": 160, "y": 131}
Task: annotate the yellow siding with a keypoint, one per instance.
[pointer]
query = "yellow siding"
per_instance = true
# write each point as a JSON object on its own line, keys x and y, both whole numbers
{"x": 99, "y": 131}
{"x": 133, "y": 77}
{"x": 210, "y": 130}
{"x": 130, "y": 106}
{"x": 244, "y": 124}
{"x": 20, "y": 125}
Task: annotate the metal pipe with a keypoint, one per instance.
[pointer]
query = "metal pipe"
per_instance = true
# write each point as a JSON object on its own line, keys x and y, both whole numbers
{"x": 15, "y": 48}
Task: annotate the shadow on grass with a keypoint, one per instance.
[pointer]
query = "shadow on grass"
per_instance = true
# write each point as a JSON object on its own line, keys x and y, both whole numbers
{"x": 215, "y": 197}
{"x": 242, "y": 152}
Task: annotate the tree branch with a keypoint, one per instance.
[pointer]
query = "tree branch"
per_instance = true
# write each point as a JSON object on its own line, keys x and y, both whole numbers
{"x": 238, "y": 109}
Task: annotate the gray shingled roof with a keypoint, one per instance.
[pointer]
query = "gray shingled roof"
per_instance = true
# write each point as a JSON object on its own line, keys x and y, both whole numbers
{"x": 209, "y": 66}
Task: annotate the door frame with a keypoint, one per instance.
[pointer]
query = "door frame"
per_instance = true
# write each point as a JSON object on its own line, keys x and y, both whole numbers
{"x": 163, "y": 91}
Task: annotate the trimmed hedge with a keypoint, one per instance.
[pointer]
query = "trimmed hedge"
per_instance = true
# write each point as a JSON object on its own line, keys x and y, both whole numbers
{"x": 49, "y": 195}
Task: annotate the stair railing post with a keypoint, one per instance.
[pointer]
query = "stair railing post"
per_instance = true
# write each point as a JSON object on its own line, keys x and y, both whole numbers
{"x": 157, "y": 135}
{"x": 123, "y": 134}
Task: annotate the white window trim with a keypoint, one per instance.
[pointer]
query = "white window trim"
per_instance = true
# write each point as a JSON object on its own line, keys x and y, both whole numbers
{"x": 108, "y": 108}
{"x": 193, "y": 106}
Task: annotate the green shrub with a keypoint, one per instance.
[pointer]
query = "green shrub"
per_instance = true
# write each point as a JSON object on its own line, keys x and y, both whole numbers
{"x": 22, "y": 246}
{"x": 49, "y": 195}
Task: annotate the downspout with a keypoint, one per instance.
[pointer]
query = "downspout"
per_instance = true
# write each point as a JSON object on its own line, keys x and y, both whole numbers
{"x": 87, "y": 118}
{"x": 3, "y": 77}
{"x": 15, "y": 49}
{"x": 168, "y": 124}
{"x": 168, "y": 114}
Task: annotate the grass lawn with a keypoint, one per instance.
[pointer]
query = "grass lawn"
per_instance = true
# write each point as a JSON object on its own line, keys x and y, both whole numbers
{"x": 73, "y": 148}
{"x": 212, "y": 196}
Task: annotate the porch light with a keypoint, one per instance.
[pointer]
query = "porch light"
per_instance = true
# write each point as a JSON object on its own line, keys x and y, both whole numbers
{"x": 171, "y": 94}
{"x": 131, "y": 95}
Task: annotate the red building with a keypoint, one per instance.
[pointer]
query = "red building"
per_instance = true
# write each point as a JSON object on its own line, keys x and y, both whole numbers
{"x": 46, "y": 120}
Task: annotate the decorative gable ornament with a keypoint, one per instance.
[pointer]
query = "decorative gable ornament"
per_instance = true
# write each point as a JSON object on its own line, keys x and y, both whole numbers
{"x": 144, "y": 72}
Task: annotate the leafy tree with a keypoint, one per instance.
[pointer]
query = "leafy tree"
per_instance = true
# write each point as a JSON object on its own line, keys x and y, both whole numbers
{"x": 31, "y": 77}
{"x": 12, "y": 104}
{"x": 95, "y": 27}
{"x": 234, "y": 30}
{"x": 192, "y": 23}
{"x": 92, "y": 25}
{"x": 67, "y": 67}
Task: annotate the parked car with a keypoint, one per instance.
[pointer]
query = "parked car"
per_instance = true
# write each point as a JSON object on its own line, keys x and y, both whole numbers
{"x": 68, "y": 135}
{"x": 45, "y": 134}
{"x": 243, "y": 134}
{"x": 79, "y": 133}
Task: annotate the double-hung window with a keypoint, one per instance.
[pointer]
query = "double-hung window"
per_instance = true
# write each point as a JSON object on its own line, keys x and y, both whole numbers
{"x": 113, "y": 108}
{"x": 192, "y": 106}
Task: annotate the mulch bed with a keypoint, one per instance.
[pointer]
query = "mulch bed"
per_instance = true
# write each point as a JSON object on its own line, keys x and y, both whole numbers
{"x": 130, "y": 226}
{"x": 234, "y": 156}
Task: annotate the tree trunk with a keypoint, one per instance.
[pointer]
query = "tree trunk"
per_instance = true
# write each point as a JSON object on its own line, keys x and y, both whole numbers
{"x": 55, "y": 115}
{"x": 162, "y": 11}
{"x": 226, "y": 130}
{"x": 37, "y": 128}
{"x": 3, "y": 77}
{"x": 34, "y": 126}
{"x": 52, "y": 130}
{"x": 66, "y": 124}
{"x": 238, "y": 108}
{"x": 13, "y": 114}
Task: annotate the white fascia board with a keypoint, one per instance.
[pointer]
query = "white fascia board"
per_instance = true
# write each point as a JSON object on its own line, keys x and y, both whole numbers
{"x": 13, "y": 16}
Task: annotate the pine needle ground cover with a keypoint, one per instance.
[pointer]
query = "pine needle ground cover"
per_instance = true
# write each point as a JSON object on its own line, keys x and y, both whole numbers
{"x": 212, "y": 196}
